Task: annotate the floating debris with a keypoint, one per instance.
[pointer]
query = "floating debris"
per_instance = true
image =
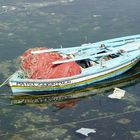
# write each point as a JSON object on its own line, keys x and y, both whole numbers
{"x": 117, "y": 93}
{"x": 135, "y": 134}
{"x": 85, "y": 131}
{"x": 36, "y": 5}
{"x": 10, "y": 34}
{"x": 96, "y": 16}
{"x": 52, "y": 14}
{"x": 124, "y": 121}
{"x": 9, "y": 8}
{"x": 96, "y": 28}
{"x": 4, "y": 6}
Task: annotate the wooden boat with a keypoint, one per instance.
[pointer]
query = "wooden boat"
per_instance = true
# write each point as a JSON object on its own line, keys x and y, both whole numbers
{"x": 98, "y": 61}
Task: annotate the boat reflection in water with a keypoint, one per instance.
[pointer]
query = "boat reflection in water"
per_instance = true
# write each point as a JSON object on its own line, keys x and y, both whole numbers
{"x": 69, "y": 99}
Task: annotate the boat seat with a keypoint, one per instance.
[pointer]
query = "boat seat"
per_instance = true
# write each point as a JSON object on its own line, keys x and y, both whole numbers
{"x": 106, "y": 58}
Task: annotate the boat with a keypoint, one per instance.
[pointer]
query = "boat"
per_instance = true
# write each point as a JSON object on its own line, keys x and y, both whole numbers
{"x": 127, "y": 79}
{"x": 98, "y": 61}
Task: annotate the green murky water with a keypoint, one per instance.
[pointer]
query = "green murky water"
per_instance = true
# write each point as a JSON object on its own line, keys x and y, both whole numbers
{"x": 54, "y": 23}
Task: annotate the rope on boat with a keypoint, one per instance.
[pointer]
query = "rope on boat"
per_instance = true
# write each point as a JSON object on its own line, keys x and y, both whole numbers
{"x": 6, "y": 81}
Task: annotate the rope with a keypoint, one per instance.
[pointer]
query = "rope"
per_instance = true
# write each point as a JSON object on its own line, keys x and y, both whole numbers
{"x": 6, "y": 81}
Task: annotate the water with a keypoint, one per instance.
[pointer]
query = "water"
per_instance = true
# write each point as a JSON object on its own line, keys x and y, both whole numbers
{"x": 33, "y": 23}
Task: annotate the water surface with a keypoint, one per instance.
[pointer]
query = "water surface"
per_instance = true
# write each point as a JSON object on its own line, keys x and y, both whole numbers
{"x": 54, "y": 23}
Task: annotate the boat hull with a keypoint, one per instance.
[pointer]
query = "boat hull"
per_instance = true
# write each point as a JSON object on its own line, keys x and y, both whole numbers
{"x": 33, "y": 88}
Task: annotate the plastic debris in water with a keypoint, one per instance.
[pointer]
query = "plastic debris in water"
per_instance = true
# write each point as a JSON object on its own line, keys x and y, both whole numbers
{"x": 117, "y": 93}
{"x": 85, "y": 131}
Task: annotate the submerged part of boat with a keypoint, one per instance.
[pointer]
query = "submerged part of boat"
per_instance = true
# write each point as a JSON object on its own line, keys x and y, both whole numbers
{"x": 98, "y": 61}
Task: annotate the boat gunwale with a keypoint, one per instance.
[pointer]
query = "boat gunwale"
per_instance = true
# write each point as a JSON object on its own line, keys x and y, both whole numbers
{"x": 109, "y": 41}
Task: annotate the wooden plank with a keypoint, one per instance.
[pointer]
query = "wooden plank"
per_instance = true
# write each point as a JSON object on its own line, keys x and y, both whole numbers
{"x": 82, "y": 47}
{"x": 92, "y": 57}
